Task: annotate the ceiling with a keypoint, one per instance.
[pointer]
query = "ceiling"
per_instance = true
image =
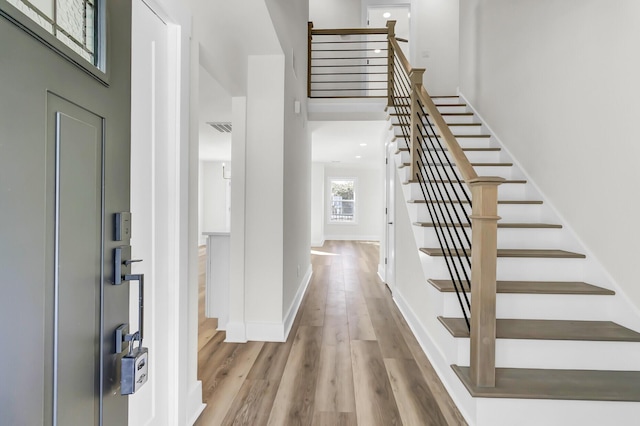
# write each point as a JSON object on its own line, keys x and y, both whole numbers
{"x": 335, "y": 142}
{"x": 348, "y": 142}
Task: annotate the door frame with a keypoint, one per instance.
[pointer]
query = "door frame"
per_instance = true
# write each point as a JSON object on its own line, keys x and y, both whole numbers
{"x": 390, "y": 243}
{"x": 182, "y": 391}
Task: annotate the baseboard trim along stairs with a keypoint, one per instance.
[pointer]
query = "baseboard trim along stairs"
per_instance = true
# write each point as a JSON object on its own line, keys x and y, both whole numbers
{"x": 561, "y": 304}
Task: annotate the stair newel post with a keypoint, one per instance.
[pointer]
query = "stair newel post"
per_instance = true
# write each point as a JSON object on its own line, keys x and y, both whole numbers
{"x": 484, "y": 237}
{"x": 415, "y": 76}
{"x": 310, "y": 28}
{"x": 391, "y": 28}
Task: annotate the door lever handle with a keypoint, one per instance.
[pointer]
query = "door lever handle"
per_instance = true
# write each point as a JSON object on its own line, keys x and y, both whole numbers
{"x": 130, "y": 261}
{"x": 140, "y": 279}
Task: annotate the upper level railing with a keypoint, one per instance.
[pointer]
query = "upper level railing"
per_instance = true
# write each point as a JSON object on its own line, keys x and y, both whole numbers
{"x": 348, "y": 63}
{"x": 378, "y": 68}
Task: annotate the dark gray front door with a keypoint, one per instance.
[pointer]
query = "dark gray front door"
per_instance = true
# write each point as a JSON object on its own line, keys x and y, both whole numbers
{"x": 64, "y": 172}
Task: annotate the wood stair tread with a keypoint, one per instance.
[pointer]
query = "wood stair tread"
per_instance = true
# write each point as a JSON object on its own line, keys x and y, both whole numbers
{"x": 455, "y": 136}
{"x": 594, "y": 331}
{"x": 405, "y": 114}
{"x": 466, "y": 202}
{"x": 448, "y": 124}
{"x": 473, "y": 164}
{"x": 530, "y": 383}
{"x": 533, "y": 287}
{"x": 502, "y": 225}
{"x": 492, "y": 149}
{"x": 517, "y": 181}
{"x": 519, "y": 253}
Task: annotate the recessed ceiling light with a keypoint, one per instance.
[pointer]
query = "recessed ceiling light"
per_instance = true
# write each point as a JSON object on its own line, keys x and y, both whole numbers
{"x": 358, "y": 156}
{"x": 363, "y": 144}
{"x": 386, "y": 15}
{"x": 409, "y": 15}
{"x": 377, "y": 50}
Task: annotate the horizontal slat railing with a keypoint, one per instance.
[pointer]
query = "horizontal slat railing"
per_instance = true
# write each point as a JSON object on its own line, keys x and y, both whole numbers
{"x": 445, "y": 175}
{"x": 347, "y": 63}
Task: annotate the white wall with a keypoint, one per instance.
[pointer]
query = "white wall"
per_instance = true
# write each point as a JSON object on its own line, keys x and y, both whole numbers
{"x": 213, "y": 193}
{"x": 434, "y": 34}
{"x": 435, "y": 44}
{"x": 264, "y": 191}
{"x": 317, "y": 204}
{"x": 558, "y": 83}
{"x": 290, "y": 22}
{"x": 369, "y": 203}
{"x": 227, "y": 33}
{"x": 335, "y": 13}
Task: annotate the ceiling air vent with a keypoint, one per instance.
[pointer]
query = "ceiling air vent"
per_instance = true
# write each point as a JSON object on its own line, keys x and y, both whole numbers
{"x": 221, "y": 127}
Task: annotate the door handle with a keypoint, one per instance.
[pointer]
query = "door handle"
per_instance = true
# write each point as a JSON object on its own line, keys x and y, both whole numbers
{"x": 390, "y": 223}
{"x": 140, "y": 279}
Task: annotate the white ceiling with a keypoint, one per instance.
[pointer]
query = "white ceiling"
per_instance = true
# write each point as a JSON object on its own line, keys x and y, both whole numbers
{"x": 332, "y": 141}
{"x": 342, "y": 142}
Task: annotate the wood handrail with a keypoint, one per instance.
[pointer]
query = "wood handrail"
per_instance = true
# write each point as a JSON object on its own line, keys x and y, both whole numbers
{"x": 403, "y": 59}
{"x": 466, "y": 169}
{"x": 349, "y": 31}
{"x": 484, "y": 217}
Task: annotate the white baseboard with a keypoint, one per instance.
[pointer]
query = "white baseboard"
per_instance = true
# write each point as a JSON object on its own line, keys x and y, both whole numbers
{"x": 265, "y": 331}
{"x": 295, "y": 305}
{"x": 435, "y": 356}
{"x": 352, "y": 237}
{"x": 236, "y": 332}
{"x": 381, "y": 273}
{"x": 194, "y": 403}
{"x": 317, "y": 243}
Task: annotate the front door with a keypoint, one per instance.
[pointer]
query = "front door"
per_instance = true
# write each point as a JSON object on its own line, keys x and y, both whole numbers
{"x": 64, "y": 173}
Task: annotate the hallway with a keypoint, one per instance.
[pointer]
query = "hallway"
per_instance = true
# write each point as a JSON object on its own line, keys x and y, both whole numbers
{"x": 350, "y": 358}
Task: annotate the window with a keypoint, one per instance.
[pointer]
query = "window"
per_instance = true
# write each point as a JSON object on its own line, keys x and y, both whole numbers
{"x": 73, "y": 22}
{"x": 342, "y": 200}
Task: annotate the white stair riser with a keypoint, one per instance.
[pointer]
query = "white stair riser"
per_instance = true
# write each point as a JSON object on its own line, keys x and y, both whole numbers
{"x": 560, "y": 354}
{"x": 452, "y": 100}
{"x": 467, "y": 130}
{"x": 472, "y": 156}
{"x": 539, "y": 306}
{"x": 451, "y": 120}
{"x": 524, "y": 213}
{"x": 442, "y": 171}
{"x": 507, "y": 191}
{"x": 507, "y": 238}
{"x": 446, "y": 109}
{"x": 536, "y": 412}
{"x": 517, "y": 269}
{"x": 464, "y": 142}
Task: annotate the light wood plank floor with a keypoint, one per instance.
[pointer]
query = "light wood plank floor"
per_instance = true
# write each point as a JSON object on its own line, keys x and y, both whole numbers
{"x": 350, "y": 359}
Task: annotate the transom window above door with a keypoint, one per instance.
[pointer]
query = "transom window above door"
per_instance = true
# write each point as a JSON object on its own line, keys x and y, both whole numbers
{"x": 75, "y": 23}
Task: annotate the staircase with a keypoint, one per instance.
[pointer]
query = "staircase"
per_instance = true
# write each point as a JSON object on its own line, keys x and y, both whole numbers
{"x": 547, "y": 338}
{"x": 558, "y": 337}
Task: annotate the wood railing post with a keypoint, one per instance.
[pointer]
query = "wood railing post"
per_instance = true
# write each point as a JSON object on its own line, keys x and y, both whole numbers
{"x": 391, "y": 33}
{"x": 415, "y": 76}
{"x": 484, "y": 251}
{"x": 310, "y": 27}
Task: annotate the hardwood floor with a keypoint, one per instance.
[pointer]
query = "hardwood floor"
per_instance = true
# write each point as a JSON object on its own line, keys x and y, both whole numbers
{"x": 350, "y": 359}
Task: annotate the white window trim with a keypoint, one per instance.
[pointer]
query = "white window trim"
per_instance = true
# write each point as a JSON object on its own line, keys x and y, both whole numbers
{"x": 329, "y": 201}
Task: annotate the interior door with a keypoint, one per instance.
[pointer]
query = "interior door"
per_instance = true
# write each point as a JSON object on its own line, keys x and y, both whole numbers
{"x": 64, "y": 172}
{"x": 390, "y": 250}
